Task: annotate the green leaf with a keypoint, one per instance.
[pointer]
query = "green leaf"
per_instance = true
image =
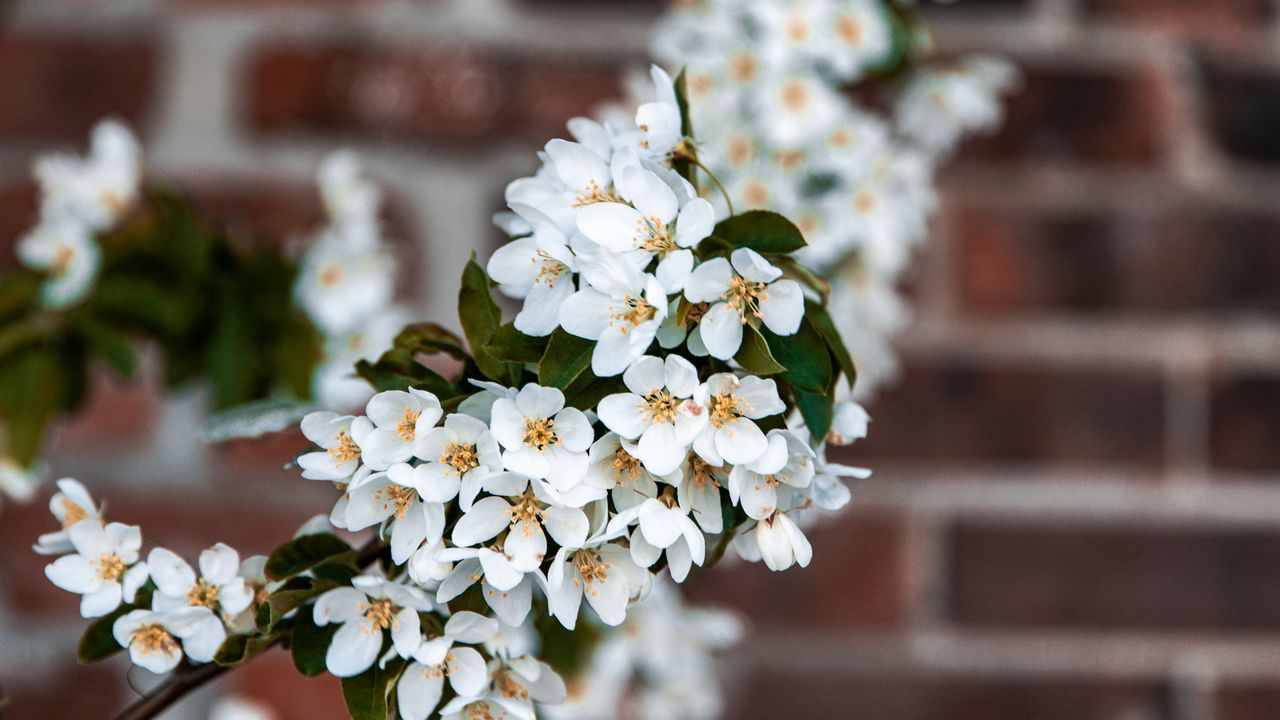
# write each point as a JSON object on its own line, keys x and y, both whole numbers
{"x": 754, "y": 356}
{"x": 804, "y": 355}
{"x": 291, "y": 596}
{"x": 510, "y": 345}
{"x": 567, "y": 357}
{"x": 301, "y": 554}
{"x": 109, "y": 345}
{"x": 238, "y": 648}
{"x": 816, "y": 410}
{"x": 589, "y": 390}
{"x": 397, "y": 369}
{"x": 681, "y": 163}
{"x": 98, "y": 642}
{"x": 480, "y": 317}
{"x": 430, "y": 338}
{"x": 822, "y": 322}
{"x": 712, "y": 247}
{"x": 368, "y": 693}
{"x": 309, "y": 643}
{"x": 32, "y": 387}
{"x": 762, "y": 231}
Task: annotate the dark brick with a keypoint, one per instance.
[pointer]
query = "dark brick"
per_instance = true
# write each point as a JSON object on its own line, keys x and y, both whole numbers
{"x": 72, "y": 691}
{"x": 1240, "y": 700}
{"x": 18, "y": 213}
{"x": 953, "y": 407}
{"x": 858, "y": 579}
{"x": 1224, "y": 19}
{"x": 56, "y": 86}
{"x": 275, "y": 682}
{"x": 1245, "y": 422}
{"x": 1243, "y": 108}
{"x": 884, "y": 696}
{"x": 1073, "y": 115}
{"x": 1111, "y": 577}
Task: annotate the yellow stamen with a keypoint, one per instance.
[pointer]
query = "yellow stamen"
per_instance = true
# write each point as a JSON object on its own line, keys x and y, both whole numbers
{"x": 202, "y": 594}
{"x": 110, "y": 567}
{"x": 626, "y": 467}
{"x": 660, "y": 406}
{"x": 72, "y": 513}
{"x": 745, "y": 297}
{"x": 726, "y": 409}
{"x": 344, "y": 448}
{"x": 381, "y": 615}
{"x": 540, "y": 433}
{"x": 638, "y": 312}
{"x": 460, "y": 457}
{"x": 407, "y": 426}
{"x": 399, "y": 496}
{"x": 154, "y": 639}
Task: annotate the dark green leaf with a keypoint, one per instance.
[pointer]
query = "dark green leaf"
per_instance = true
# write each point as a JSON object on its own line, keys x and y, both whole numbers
{"x": 368, "y": 693}
{"x": 681, "y": 162}
{"x": 762, "y": 231}
{"x": 822, "y": 322}
{"x": 309, "y": 643}
{"x": 109, "y": 345}
{"x": 480, "y": 319}
{"x": 301, "y": 554}
{"x": 567, "y": 357}
{"x": 589, "y": 390}
{"x": 238, "y": 648}
{"x": 292, "y": 595}
{"x": 510, "y": 345}
{"x": 32, "y": 386}
{"x": 98, "y": 642}
{"x": 754, "y": 356}
{"x": 804, "y": 355}
{"x": 816, "y": 410}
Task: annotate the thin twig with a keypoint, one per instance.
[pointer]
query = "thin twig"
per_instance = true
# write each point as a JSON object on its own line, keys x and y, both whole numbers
{"x": 190, "y": 677}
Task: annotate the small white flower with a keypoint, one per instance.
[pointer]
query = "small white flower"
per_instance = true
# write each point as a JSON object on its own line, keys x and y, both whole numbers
{"x": 664, "y": 525}
{"x": 220, "y": 588}
{"x": 103, "y": 569}
{"x": 341, "y": 455}
{"x": 619, "y": 307}
{"x": 511, "y": 606}
{"x": 781, "y": 542}
{"x": 732, "y": 404}
{"x": 849, "y": 423}
{"x": 514, "y": 686}
{"x": 350, "y": 199}
{"x": 399, "y": 498}
{"x": 341, "y": 286}
{"x": 517, "y": 508}
{"x": 457, "y": 458}
{"x": 699, "y": 491}
{"x": 71, "y": 504}
{"x": 422, "y": 684}
{"x": 614, "y": 467}
{"x": 364, "y": 612}
{"x": 95, "y": 190}
{"x": 157, "y": 639}
{"x": 400, "y": 418}
{"x": 63, "y": 249}
{"x": 542, "y": 438}
{"x": 788, "y": 461}
{"x": 538, "y": 269}
{"x": 748, "y": 289}
{"x": 602, "y": 572}
{"x": 659, "y": 412}
{"x": 659, "y": 120}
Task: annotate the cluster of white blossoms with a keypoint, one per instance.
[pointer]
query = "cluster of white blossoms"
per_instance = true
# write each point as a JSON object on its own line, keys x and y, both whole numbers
{"x": 771, "y": 90}
{"x": 346, "y": 282}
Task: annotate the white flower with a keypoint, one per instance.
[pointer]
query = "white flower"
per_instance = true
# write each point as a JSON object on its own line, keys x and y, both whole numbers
{"x": 457, "y": 458}
{"x": 659, "y": 120}
{"x": 220, "y": 588}
{"x": 157, "y": 639}
{"x": 341, "y": 455}
{"x": 63, "y": 249}
{"x": 541, "y": 437}
{"x": 747, "y": 290}
{"x": 619, "y": 307}
{"x": 341, "y": 286}
{"x": 656, "y": 223}
{"x": 71, "y": 504}
{"x": 829, "y": 492}
{"x": 781, "y": 542}
{"x": 17, "y": 481}
{"x": 518, "y": 509}
{"x": 732, "y": 405}
{"x": 538, "y": 269}
{"x": 364, "y": 612}
{"x": 422, "y": 684}
{"x": 848, "y": 424}
{"x": 511, "y": 606}
{"x": 698, "y": 490}
{"x": 788, "y": 461}
{"x": 235, "y": 708}
{"x": 397, "y": 497}
{"x": 664, "y": 525}
{"x": 659, "y": 412}
{"x": 400, "y": 419}
{"x": 350, "y": 199}
{"x": 97, "y": 190}
{"x": 335, "y": 381}
{"x": 103, "y": 569}
{"x": 516, "y": 685}
{"x": 614, "y": 467}
{"x": 939, "y": 106}
{"x": 603, "y": 572}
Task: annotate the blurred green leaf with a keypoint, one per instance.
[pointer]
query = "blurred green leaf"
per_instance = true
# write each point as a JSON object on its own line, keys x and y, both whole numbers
{"x": 480, "y": 319}
{"x": 98, "y": 642}
{"x": 567, "y": 357}
{"x": 308, "y": 643}
{"x": 301, "y": 554}
{"x": 510, "y": 345}
{"x": 368, "y": 694}
{"x": 754, "y": 356}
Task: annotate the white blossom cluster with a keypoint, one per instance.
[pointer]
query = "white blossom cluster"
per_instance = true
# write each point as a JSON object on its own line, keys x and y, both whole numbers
{"x": 346, "y": 282}
{"x": 769, "y": 86}
{"x": 190, "y": 613}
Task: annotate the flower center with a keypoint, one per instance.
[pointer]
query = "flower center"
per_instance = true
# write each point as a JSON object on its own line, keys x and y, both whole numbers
{"x": 408, "y": 424}
{"x": 526, "y": 511}
{"x": 381, "y": 615}
{"x": 652, "y": 235}
{"x": 481, "y": 711}
{"x": 591, "y": 566}
{"x": 726, "y": 409}
{"x": 660, "y": 406}
{"x": 154, "y": 639}
{"x": 509, "y": 687}
{"x": 62, "y": 258}
{"x": 797, "y": 30}
{"x": 795, "y": 96}
{"x": 593, "y": 194}
{"x": 626, "y": 467}
{"x": 330, "y": 275}
{"x": 743, "y": 67}
{"x": 460, "y": 457}
{"x": 745, "y": 296}
{"x": 110, "y": 567}
{"x": 849, "y": 29}
{"x": 202, "y": 594}
{"x": 550, "y": 268}
{"x": 72, "y": 513}
{"x": 540, "y": 433}
{"x": 436, "y": 672}
{"x": 703, "y": 474}
{"x": 397, "y": 496}
{"x": 637, "y": 312}
{"x": 344, "y": 448}
{"x": 864, "y": 201}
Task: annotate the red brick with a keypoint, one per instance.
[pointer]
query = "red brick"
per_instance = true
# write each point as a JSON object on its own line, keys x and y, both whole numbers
{"x": 881, "y": 695}
{"x": 56, "y": 86}
{"x": 1114, "y": 576}
{"x": 435, "y": 92}
{"x": 71, "y": 692}
{"x": 118, "y": 415}
{"x": 18, "y": 213}
{"x": 1190, "y": 259}
{"x": 273, "y": 681}
{"x": 858, "y": 579}
{"x": 1246, "y": 700}
{"x": 1243, "y": 108}
{"x": 954, "y": 407}
{"x": 1224, "y": 19}
{"x": 1067, "y": 115}
{"x": 1245, "y": 425}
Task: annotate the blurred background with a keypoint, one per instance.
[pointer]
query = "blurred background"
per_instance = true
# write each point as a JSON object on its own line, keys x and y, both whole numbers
{"x": 1075, "y": 513}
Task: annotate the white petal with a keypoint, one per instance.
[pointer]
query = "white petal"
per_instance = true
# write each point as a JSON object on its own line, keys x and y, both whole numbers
{"x": 219, "y": 564}
{"x": 418, "y": 693}
{"x": 696, "y": 221}
{"x": 511, "y": 606}
{"x": 673, "y": 270}
{"x": 740, "y": 442}
{"x": 752, "y": 266}
{"x": 567, "y": 526}
{"x": 487, "y": 518}
{"x": 660, "y": 450}
{"x": 609, "y": 598}
{"x": 621, "y": 412}
{"x": 783, "y": 308}
{"x": 468, "y": 672}
{"x": 471, "y": 628}
{"x": 649, "y": 194}
{"x": 352, "y": 650}
{"x": 661, "y": 524}
{"x": 573, "y": 429}
{"x": 339, "y": 605}
{"x": 73, "y": 573}
{"x": 645, "y": 376}
{"x": 526, "y": 546}
{"x": 406, "y": 632}
{"x": 721, "y": 331}
{"x": 101, "y": 601}
{"x": 612, "y": 225}
{"x": 172, "y": 574}
{"x": 708, "y": 281}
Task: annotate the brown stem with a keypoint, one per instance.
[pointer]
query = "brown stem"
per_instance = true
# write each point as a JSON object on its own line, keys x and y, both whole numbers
{"x": 189, "y": 677}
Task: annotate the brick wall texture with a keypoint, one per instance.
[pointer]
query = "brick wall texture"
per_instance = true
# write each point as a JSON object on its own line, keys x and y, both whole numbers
{"x": 1076, "y": 507}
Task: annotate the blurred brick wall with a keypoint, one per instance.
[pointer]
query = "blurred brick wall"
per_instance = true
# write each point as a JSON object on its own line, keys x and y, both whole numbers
{"x": 1075, "y": 513}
